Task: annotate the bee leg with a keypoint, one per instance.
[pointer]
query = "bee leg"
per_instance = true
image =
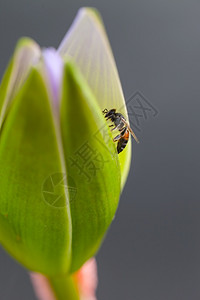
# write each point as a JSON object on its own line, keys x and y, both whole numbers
{"x": 108, "y": 118}
{"x": 122, "y": 128}
{"x": 111, "y": 125}
{"x": 117, "y": 138}
{"x": 116, "y": 127}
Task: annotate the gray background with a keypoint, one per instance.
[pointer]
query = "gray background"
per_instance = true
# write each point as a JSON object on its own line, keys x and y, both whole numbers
{"x": 152, "y": 249}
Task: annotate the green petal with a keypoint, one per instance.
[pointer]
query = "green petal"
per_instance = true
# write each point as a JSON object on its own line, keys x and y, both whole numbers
{"x": 92, "y": 163}
{"x": 87, "y": 43}
{"x": 34, "y": 230}
{"x": 26, "y": 53}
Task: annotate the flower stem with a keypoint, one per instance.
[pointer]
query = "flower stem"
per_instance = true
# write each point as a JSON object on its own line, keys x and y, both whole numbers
{"x": 54, "y": 288}
{"x": 64, "y": 288}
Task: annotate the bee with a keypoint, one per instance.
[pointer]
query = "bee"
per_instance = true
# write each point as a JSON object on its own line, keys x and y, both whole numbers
{"x": 119, "y": 123}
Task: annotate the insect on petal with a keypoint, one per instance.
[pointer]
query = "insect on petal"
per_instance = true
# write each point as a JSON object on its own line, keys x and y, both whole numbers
{"x": 87, "y": 43}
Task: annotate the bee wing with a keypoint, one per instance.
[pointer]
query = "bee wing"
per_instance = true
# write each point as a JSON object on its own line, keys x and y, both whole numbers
{"x": 131, "y": 131}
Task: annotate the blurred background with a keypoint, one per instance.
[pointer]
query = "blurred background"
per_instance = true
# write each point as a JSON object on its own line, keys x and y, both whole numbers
{"x": 152, "y": 250}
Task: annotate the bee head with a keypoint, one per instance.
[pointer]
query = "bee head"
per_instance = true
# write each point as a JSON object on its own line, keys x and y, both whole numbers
{"x": 109, "y": 113}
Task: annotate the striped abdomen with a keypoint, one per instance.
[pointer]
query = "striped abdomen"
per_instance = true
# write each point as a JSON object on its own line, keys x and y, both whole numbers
{"x": 122, "y": 142}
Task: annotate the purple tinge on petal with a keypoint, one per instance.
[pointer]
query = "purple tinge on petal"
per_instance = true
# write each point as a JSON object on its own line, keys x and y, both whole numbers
{"x": 54, "y": 70}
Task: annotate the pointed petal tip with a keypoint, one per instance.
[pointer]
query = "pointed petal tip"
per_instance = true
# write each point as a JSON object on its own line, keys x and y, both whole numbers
{"x": 26, "y": 42}
{"x": 89, "y": 11}
{"x": 27, "y": 53}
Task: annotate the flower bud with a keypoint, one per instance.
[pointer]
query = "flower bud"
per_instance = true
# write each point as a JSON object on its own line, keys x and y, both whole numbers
{"x": 60, "y": 174}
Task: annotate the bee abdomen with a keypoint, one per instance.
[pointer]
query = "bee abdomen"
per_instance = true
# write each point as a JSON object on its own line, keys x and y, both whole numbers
{"x": 121, "y": 145}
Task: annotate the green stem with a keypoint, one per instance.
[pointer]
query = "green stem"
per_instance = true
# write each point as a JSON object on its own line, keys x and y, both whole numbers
{"x": 64, "y": 288}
